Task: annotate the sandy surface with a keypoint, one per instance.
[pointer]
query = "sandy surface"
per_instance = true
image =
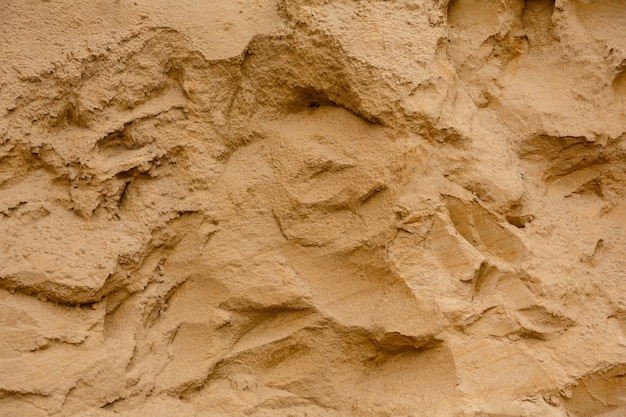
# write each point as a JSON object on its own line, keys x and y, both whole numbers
{"x": 313, "y": 208}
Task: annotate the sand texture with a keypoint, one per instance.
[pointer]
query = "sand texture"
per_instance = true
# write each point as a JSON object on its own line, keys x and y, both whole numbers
{"x": 325, "y": 208}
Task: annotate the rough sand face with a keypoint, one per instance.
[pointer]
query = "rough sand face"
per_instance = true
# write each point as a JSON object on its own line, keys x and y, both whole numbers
{"x": 313, "y": 208}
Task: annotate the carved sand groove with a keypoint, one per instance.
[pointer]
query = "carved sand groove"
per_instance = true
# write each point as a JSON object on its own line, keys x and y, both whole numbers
{"x": 313, "y": 208}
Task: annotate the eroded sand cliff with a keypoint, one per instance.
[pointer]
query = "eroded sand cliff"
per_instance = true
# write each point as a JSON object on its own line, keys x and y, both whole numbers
{"x": 313, "y": 208}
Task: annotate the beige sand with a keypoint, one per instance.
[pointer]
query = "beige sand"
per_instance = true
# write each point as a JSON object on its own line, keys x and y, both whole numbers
{"x": 312, "y": 208}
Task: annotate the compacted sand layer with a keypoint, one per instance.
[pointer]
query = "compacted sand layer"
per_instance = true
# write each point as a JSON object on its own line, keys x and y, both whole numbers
{"x": 313, "y": 208}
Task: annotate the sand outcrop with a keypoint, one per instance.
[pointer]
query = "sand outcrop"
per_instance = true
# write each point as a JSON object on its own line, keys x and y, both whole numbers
{"x": 313, "y": 208}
